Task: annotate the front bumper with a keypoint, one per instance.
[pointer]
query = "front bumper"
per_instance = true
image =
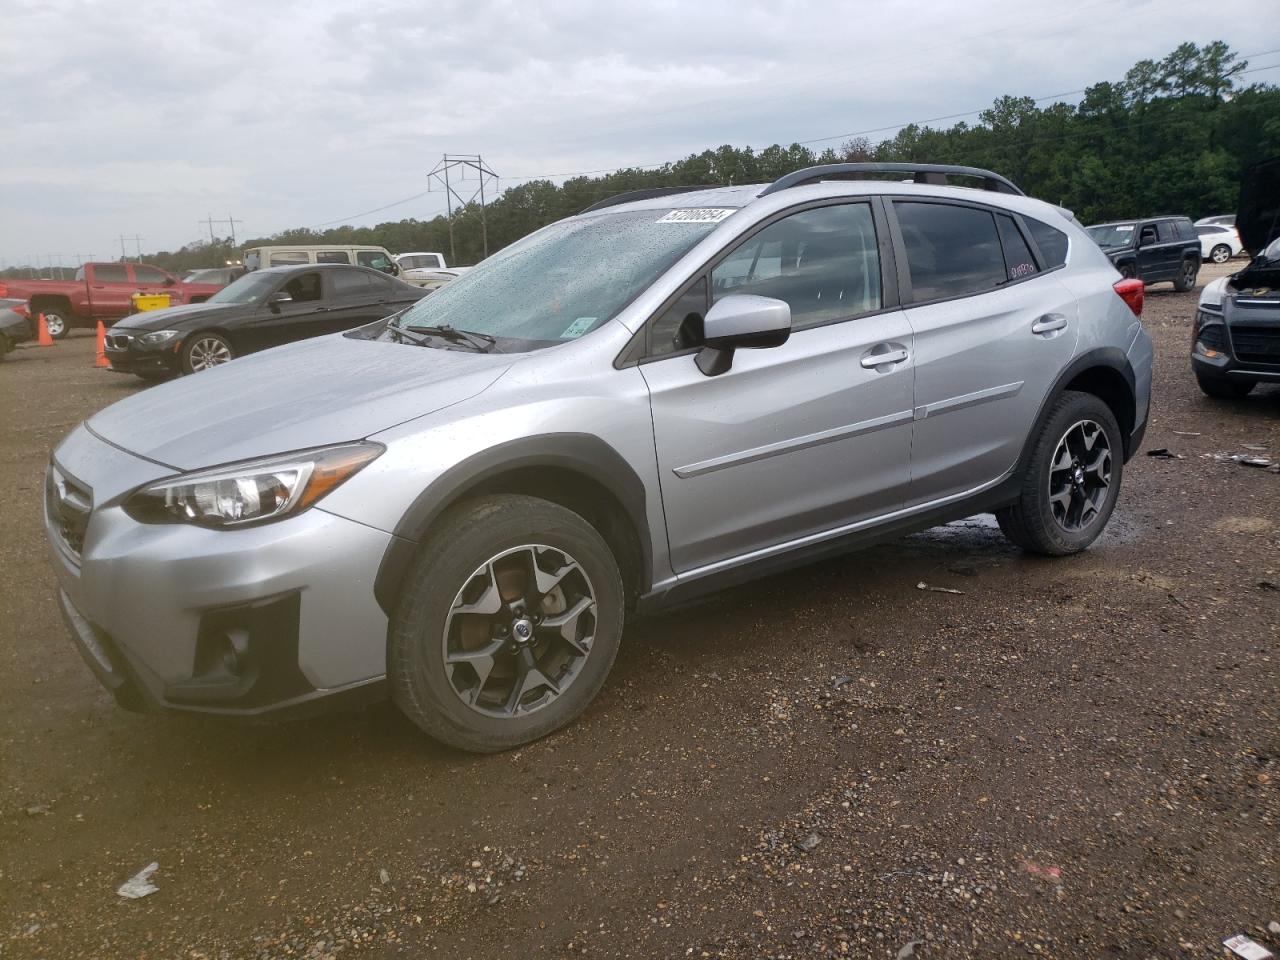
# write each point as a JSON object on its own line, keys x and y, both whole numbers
{"x": 127, "y": 354}
{"x": 240, "y": 622}
{"x": 1244, "y": 345}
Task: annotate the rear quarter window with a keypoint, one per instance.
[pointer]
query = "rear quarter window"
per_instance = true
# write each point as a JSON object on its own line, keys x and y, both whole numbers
{"x": 1051, "y": 241}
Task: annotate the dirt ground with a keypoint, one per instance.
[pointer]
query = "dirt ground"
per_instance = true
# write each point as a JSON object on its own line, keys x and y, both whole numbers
{"x": 1070, "y": 758}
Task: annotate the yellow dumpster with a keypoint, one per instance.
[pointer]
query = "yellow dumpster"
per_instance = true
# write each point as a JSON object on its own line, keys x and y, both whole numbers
{"x": 150, "y": 301}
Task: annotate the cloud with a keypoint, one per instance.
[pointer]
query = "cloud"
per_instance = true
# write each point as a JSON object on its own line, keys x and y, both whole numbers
{"x": 143, "y": 117}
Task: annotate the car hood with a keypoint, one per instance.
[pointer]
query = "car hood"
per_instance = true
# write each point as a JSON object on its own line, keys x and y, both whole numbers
{"x": 321, "y": 391}
{"x": 1258, "y": 215}
{"x": 178, "y": 318}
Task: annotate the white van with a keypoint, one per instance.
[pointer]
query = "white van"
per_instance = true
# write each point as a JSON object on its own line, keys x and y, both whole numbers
{"x": 379, "y": 258}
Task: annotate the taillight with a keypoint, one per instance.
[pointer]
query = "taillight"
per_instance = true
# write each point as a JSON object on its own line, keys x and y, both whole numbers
{"x": 1130, "y": 290}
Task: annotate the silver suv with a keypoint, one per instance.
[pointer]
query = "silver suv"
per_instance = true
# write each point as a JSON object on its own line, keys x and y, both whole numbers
{"x": 673, "y": 391}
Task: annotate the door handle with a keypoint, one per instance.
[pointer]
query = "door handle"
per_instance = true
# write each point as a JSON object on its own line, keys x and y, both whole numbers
{"x": 1049, "y": 323}
{"x": 890, "y": 357}
{"x": 322, "y": 309}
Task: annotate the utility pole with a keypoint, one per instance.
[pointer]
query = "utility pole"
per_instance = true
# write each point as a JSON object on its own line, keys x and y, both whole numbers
{"x": 232, "y": 221}
{"x": 459, "y": 164}
{"x": 212, "y": 238}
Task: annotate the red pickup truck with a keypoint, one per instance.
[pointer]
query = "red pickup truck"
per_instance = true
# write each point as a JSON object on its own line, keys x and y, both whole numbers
{"x": 100, "y": 291}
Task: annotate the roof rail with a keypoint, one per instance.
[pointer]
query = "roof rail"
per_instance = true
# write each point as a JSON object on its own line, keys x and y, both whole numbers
{"x": 646, "y": 194}
{"x": 936, "y": 173}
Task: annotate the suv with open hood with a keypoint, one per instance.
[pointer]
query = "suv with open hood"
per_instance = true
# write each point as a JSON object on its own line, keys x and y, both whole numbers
{"x": 1236, "y": 339}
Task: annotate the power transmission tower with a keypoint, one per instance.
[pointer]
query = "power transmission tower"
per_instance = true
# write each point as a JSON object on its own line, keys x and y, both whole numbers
{"x": 137, "y": 245}
{"x": 451, "y": 174}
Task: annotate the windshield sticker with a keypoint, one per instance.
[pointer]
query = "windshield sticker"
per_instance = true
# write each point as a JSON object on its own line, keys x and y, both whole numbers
{"x": 698, "y": 215}
{"x": 578, "y": 328}
{"x": 1124, "y": 229}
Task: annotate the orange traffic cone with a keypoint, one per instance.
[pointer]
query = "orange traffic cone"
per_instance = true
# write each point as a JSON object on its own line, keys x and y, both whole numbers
{"x": 100, "y": 358}
{"x": 42, "y": 333}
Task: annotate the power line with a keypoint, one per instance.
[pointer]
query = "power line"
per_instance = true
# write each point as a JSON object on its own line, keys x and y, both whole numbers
{"x": 840, "y": 136}
{"x": 860, "y": 133}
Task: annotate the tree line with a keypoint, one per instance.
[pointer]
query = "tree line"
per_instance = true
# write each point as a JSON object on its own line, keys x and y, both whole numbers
{"x": 1172, "y": 136}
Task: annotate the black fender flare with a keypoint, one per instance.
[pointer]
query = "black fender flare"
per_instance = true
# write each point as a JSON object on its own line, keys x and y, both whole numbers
{"x": 579, "y": 453}
{"x": 1112, "y": 358}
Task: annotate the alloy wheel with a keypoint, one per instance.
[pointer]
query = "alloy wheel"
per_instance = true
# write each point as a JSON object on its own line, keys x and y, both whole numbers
{"x": 1080, "y": 476}
{"x": 1189, "y": 272}
{"x": 208, "y": 352}
{"x": 55, "y": 325}
{"x": 519, "y": 631}
{"x": 1220, "y": 254}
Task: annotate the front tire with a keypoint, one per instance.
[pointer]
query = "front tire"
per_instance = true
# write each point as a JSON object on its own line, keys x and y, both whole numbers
{"x": 1220, "y": 253}
{"x": 204, "y": 350}
{"x": 1221, "y": 388}
{"x": 1186, "y": 279}
{"x": 1072, "y": 480}
{"x": 508, "y": 623}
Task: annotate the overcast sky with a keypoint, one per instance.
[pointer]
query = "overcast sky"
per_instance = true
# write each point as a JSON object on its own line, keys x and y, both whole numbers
{"x": 145, "y": 117}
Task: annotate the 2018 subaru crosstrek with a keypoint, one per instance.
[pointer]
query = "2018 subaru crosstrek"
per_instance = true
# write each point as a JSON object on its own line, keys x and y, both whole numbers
{"x": 660, "y": 396}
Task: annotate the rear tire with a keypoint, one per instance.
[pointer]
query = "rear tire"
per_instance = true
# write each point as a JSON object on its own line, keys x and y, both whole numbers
{"x": 1072, "y": 480}
{"x": 1221, "y": 388}
{"x": 57, "y": 321}
{"x": 1187, "y": 273}
{"x": 1220, "y": 254}
{"x": 498, "y": 569}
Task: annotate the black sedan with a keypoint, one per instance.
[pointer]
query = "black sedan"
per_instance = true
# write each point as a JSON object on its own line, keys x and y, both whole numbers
{"x": 262, "y": 309}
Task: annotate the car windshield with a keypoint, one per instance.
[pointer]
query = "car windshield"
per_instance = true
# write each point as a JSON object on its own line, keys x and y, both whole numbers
{"x": 203, "y": 276}
{"x": 567, "y": 279}
{"x": 249, "y": 288}
{"x": 1271, "y": 251}
{"x": 1112, "y": 234}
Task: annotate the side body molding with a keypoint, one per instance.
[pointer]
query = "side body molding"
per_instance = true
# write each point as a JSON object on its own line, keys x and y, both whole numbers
{"x": 580, "y": 453}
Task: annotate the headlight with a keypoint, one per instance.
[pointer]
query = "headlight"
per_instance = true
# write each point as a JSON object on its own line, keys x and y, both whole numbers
{"x": 157, "y": 336}
{"x": 255, "y": 491}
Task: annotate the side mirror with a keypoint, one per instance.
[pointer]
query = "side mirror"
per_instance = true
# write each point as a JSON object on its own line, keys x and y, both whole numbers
{"x": 277, "y": 298}
{"x": 169, "y": 281}
{"x": 741, "y": 321}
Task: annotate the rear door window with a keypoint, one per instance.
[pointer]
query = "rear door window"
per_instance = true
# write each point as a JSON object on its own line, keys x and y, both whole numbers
{"x": 1168, "y": 231}
{"x": 286, "y": 258}
{"x": 110, "y": 273}
{"x": 332, "y": 256}
{"x": 351, "y": 284}
{"x": 1018, "y": 261}
{"x": 952, "y": 251}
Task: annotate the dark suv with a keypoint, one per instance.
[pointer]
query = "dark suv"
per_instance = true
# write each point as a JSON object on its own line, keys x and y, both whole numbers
{"x": 1154, "y": 249}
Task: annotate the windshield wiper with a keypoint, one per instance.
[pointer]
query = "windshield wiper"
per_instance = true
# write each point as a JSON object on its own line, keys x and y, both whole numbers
{"x": 481, "y": 342}
{"x": 403, "y": 334}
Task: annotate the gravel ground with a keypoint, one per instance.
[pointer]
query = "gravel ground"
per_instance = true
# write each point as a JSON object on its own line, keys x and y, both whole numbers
{"x": 1070, "y": 758}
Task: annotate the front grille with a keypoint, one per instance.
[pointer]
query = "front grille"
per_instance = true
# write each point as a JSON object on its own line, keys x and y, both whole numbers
{"x": 119, "y": 341}
{"x": 1256, "y": 344}
{"x": 69, "y": 504}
